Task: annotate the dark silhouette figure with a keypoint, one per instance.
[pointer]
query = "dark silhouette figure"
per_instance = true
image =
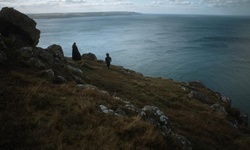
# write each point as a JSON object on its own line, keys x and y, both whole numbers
{"x": 108, "y": 60}
{"x": 75, "y": 53}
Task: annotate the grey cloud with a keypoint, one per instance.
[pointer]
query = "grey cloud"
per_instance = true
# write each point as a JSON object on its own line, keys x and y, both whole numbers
{"x": 115, "y": 2}
{"x": 226, "y": 3}
{"x": 180, "y": 2}
{"x": 75, "y": 1}
{"x": 8, "y": 0}
{"x": 123, "y": 3}
{"x": 157, "y": 2}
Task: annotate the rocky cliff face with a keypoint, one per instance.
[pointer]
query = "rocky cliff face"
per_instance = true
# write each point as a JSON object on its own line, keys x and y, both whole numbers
{"x": 18, "y": 50}
{"x": 18, "y": 28}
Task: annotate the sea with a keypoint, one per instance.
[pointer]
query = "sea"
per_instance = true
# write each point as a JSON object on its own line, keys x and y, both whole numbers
{"x": 212, "y": 49}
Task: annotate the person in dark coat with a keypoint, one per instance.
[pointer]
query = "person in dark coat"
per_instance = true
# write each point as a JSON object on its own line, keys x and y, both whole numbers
{"x": 108, "y": 60}
{"x": 75, "y": 53}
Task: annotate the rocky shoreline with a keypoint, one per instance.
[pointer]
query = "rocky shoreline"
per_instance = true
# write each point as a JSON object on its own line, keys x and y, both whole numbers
{"x": 19, "y": 38}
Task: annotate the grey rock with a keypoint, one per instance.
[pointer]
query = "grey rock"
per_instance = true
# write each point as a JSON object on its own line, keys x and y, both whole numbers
{"x": 156, "y": 116}
{"x": 198, "y": 96}
{"x": 106, "y": 109}
{"x": 3, "y": 57}
{"x": 74, "y": 69}
{"x": 104, "y": 92}
{"x": 226, "y": 100}
{"x": 44, "y": 55}
{"x": 243, "y": 119}
{"x": 120, "y": 112}
{"x": 133, "y": 108}
{"x": 240, "y": 117}
{"x": 25, "y": 52}
{"x": 89, "y": 56}
{"x": 183, "y": 142}
{"x": 20, "y": 26}
{"x": 35, "y": 63}
{"x": 218, "y": 108}
{"x": 57, "y": 52}
{"x": 87, "y": 86}
{"x": 78, "y": 80}
{"x": 49, "y": 74}
{"x": 59, "y": 80}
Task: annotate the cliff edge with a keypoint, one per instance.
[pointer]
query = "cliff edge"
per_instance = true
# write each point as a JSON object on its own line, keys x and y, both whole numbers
{"x": 49, "y": 101}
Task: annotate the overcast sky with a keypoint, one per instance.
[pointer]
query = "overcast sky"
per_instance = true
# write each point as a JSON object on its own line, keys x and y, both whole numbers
{"x": 219, "y": 7}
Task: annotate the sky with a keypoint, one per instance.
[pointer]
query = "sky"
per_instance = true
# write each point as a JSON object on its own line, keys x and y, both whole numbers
{"x": 210, "y": 7}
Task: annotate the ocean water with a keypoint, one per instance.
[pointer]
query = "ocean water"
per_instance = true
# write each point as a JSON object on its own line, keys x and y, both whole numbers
{"x": 211, "y": 49}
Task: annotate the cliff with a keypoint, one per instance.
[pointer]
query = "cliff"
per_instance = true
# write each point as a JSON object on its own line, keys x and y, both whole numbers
{"x": 49, "y": 101}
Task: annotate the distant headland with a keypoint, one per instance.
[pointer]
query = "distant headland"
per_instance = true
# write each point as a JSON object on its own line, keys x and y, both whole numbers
{"x": 80, "y": 14}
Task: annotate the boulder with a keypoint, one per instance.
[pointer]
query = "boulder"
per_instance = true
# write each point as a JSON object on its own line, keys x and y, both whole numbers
{"x": 25, "y": 52}
{"x": 78, "y": 80}
{"x": 241, "y": 117}
{"x": 183, "y": 142}
{"x": 156, "y": 116}
{"x": 198, "y": 96}
{"x": 19, "y": 28}
{"x": 106, "y": 109}
{"x": 89, "y": 56}
{"x": 49, "y": 74}
{"x": 226, "y": 100}
{"x": 218, "y": 108}
{"x": 2, "y": 45}
{"x": 44, "y": 55}
{"x": 87, "y": 87}
{"x": 3, "y": 57}
{"x": 120, "y": 112}
{"x": 35, "y": 63}
{"x": 57, "y": 52}
{"x": 234, "y": 112}
{"x": 59, "y": 80}
{"x": 160, "y": 120}
{"x": 74, "y": 69}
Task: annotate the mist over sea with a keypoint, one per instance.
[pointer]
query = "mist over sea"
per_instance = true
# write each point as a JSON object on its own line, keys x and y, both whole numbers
{"x": 211, "y": 49}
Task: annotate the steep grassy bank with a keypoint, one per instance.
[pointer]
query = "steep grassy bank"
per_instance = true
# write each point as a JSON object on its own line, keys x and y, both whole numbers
{"x": 37, "y": 114}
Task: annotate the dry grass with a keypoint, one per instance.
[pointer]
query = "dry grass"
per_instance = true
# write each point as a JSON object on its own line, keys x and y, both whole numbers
{"x": 36, "y": 114}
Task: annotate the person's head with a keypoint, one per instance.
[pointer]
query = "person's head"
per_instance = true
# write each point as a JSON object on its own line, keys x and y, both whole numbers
{"x": 107, "y": 54}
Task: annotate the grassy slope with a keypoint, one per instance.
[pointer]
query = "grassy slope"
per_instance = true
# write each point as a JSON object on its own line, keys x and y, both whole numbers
{"x": 36, "y": 114}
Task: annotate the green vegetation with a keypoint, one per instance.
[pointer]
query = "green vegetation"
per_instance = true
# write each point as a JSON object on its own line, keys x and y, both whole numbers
{"x": 37, "y": 114}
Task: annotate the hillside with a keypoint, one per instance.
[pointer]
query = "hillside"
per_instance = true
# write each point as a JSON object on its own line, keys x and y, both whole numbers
{"x": 49, "y": 101}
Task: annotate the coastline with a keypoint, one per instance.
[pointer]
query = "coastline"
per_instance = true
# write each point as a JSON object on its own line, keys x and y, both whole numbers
{"x": 80, "y": 14}
{"x": 49, "y": 101}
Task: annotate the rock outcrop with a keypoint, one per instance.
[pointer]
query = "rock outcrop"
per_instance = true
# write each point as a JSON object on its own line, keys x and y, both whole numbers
{"x": 57, "y": 52}
{"x": 3, "y": 57}
{"x": 18, "y": 29}
{"x": 21, "y": 38}
{"x": 198, "y": 95}
{"x": 89, "y": 56}
{"x": 239, "y": 118}
{"x": 150, "y": 114}
{"x": 18, "y": 40}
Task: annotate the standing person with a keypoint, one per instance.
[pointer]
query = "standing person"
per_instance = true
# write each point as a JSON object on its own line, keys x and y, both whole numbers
{"x": 75, "y": 53}
{"x": 108, "y": 60}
